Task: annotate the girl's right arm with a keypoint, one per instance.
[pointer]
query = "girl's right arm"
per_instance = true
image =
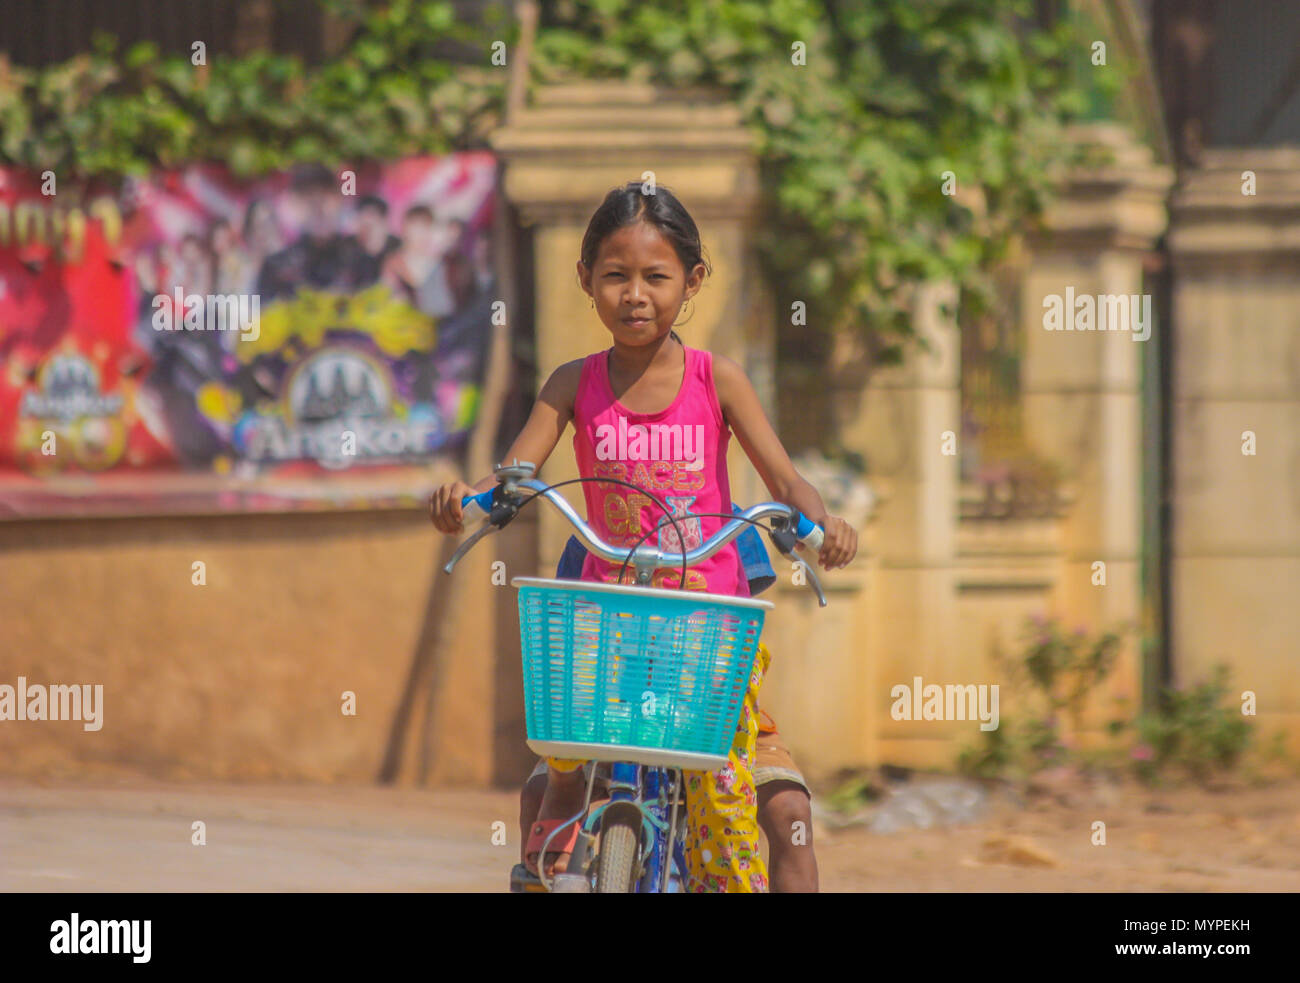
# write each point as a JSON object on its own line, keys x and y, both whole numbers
{"x": 551, "y": 414}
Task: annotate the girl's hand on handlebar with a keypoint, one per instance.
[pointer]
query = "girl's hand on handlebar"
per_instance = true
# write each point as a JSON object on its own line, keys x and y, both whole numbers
{"x": 444, "y": 506}
{"x": 840, "y": 545}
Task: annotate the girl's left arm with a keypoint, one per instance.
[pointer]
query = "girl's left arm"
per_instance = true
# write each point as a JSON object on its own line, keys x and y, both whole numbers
{"x": 744, "y": 413}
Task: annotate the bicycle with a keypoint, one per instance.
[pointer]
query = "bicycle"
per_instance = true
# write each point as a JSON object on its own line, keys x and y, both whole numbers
{"x": 644, "y": 682}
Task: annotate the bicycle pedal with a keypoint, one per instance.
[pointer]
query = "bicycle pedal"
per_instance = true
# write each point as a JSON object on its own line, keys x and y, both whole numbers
{"x": 524, "y": 881}
{"x": 570, "y": 884}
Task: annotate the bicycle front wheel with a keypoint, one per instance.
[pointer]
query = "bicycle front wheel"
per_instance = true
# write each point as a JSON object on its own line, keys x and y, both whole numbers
{"x": 619, "y": 851}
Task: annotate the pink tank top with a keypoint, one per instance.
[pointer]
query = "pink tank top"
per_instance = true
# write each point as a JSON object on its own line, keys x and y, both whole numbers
{"x": 679, "y": 453}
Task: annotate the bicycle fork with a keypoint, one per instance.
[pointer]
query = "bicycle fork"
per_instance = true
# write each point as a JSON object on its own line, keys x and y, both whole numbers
{"x": 648, "y": 796}
{"x": 641, "y": 796}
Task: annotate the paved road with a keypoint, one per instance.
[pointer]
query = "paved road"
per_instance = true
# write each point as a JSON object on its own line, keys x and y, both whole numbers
{"x": 135, "y": 836}
{"x": 273, "y": 838}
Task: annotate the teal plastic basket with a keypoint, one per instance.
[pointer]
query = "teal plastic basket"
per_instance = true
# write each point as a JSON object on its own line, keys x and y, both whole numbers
{"x": 624, "y": 673}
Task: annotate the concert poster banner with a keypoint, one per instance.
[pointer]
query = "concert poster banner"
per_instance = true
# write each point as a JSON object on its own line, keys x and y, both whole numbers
{"x": 192, "y": 343}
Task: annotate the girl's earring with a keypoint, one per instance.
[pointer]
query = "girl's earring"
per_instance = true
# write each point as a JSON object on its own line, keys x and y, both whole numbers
{"x": 691, "y": 301}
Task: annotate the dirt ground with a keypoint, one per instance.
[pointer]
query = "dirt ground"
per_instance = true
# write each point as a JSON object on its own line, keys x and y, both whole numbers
{"x": 134, "y": 835}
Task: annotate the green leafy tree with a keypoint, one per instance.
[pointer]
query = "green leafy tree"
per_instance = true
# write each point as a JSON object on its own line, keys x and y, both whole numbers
{"x": 109, "y": 113}
{"x": 860, "y": 110}
{"x": 902, "y": 141}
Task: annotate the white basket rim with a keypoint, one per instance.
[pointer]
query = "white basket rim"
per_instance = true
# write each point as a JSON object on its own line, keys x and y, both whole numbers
{"x": 631, "y": 589}
{"x": 653, "y": 756}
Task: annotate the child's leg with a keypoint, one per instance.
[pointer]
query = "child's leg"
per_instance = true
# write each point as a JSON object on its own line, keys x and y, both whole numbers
{"x": 530, "y": 804}
{"x": 784, "y": 813}
{"x": 722, "y": 852}
{"x": 566, "y": 788}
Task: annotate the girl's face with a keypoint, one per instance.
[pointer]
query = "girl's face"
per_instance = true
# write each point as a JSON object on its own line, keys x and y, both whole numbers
{"x": 638, "y": 284}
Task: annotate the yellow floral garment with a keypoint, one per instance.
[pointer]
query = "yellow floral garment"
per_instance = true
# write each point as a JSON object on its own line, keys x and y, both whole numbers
{"x": 722, "y": 852}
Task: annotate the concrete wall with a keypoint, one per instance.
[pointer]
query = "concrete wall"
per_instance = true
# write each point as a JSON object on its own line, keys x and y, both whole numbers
{"x": 1082, "y": 392}
{"x": 1236, "y": 537}
{"x": 242, "y": 678}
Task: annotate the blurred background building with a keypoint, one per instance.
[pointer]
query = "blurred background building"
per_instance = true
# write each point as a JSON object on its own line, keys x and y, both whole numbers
{"x": 1173, "y": 462}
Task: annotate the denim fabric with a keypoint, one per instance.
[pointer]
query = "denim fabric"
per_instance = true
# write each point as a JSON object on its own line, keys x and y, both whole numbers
{"x": 575, "y": 554}
{"x": 753, "y": 557}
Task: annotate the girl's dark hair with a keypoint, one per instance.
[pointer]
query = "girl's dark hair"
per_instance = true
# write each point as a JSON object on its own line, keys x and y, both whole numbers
{"x": 628, "y": 205}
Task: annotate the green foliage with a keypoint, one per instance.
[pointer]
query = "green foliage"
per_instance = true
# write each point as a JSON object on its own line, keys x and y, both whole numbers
{"x": 856, "y": 141}
{"x": 109, "y": 113}
{"x": 1066, "y": 666}
{"x": 1197, "y": 732}
{"x": 1060, "y": 669}
{"x": 996, "y": 756}
{"x": 853, "y": 793}
{"x": 1192, "y": 731}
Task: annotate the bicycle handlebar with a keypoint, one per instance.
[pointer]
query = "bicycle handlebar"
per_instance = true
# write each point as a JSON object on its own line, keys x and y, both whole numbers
{"x": 500, "y": 504}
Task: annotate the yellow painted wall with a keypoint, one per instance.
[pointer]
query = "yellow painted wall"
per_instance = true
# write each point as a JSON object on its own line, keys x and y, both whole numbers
{"x": 242, "y": 678}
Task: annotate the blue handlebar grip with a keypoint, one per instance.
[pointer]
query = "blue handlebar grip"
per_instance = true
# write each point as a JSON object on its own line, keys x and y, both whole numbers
{"x": 809, "y": 533}
{"x": 476, "y": 507}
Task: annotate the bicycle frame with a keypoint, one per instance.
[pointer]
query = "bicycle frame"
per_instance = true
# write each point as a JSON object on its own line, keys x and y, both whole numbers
{"x": 639, "y": 788}
{"x": 665, "y": 849}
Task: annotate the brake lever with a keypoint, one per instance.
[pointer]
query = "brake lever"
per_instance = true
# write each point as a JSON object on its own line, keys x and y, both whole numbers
{"x": 783, "y": 539}
{"x": 468, "y": 545}
{"x": 505, "y": 506}
{"x": 812, "y": 575}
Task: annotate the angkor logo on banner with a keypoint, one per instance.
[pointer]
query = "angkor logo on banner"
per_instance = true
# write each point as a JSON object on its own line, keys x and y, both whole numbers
{"x": 189, "y": 342}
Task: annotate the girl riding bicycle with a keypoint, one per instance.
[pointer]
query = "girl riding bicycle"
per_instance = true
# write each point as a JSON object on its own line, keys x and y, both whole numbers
{"x": 654, "y": 412}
